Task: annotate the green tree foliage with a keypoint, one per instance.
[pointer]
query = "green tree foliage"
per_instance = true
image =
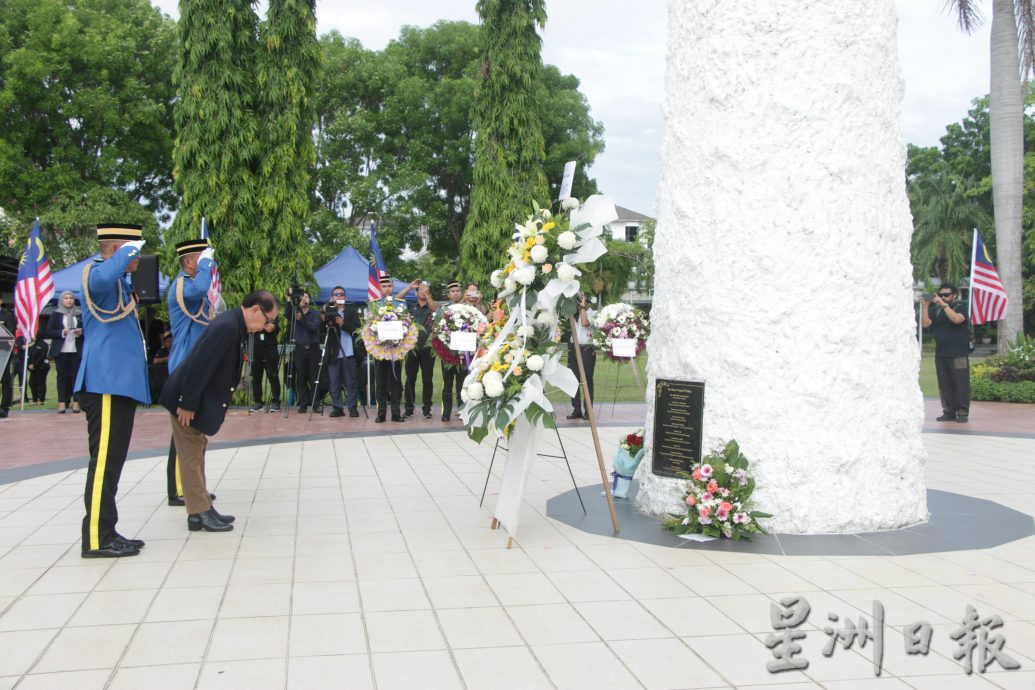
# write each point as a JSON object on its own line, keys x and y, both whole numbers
{"x": 509, "y": 144}
{"x": 395, "y": 137}
{"x": 85, "y": 119}
{"x": 217, "y": 136}
{"x": 288, "y": 73}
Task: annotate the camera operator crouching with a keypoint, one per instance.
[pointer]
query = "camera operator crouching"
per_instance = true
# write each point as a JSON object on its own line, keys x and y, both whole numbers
{"x": 307, "y": 351}
{"x": 343, "y": 352}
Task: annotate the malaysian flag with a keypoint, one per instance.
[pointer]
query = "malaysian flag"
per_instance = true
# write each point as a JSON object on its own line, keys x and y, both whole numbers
{"x": 215, "y": 289}
{"x": 987, "y": 294}
{"x": 34, "y": 286}
{"x": 377, "y": 267}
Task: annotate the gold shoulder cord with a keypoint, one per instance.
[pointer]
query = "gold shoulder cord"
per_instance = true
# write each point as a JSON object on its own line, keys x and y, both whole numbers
{"x": 198, "y": 316}
{"x": 119, "y": 312}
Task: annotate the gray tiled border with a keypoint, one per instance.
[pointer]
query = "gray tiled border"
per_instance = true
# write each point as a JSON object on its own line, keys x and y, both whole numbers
{"x": 958, "y": 523}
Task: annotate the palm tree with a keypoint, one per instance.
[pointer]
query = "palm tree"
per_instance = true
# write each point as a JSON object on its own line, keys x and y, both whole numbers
{"x": 1013, "y": 56}
{"x": 945, "y": 214}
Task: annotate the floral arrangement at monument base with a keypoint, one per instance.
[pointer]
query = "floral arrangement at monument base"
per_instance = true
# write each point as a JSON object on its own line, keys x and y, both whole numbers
{"x": 625, "y": 462}
{"x": 458, "y": 325}
{"x": 379, "y": 331}
{"x": 718, "y": 498}
{"x": 621, "y": 331}
{"x": 538, "y": 284}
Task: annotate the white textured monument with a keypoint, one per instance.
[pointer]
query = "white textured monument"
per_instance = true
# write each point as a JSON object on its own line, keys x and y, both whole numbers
{"x": 783, "y": 277}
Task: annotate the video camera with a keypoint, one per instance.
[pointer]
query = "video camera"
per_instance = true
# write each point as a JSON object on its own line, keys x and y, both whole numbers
{"x": 295, "y": 292}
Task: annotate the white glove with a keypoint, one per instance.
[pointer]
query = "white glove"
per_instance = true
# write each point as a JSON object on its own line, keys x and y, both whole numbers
{"x": 209, "y": 253}
{"x": 135, "y": 244}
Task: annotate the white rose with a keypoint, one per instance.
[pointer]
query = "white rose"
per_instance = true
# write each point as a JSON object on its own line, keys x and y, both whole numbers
{"x": 475, "y": 391}
{"x": 524, "y": 275}
{"x": 570, "y": 204}
{"x": 510, "y": 284}
{"x": 496, "y": 279}
{"x": 526, "y": 331}
{"x": 545, "y": 213}
{"x": 544, "y": 318}
{"x": 539, "y": 253}
{"x": 566, "y": 272}
{"x": 535, "y": 363}
{"x": 567, "y": 240}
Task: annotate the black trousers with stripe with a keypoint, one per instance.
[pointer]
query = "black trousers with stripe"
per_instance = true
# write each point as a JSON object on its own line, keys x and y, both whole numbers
{"x": 173, "y": 483}
{"x": 109, "y": 423}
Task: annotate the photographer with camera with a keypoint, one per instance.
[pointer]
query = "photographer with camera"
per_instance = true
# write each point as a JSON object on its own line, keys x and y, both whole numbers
{"x": 950, "y": 328}
{"x": 341, "y": 322}
{"x": 584, "y": 330}
{"x": 473, "y": 296}
{"x": 307, "y": 350}
{"x": 265, "y": 358}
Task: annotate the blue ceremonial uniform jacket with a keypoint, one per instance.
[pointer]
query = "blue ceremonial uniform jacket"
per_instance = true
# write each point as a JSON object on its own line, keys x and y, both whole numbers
{"x": 113, "y": 361}
{"x": 399, "y": 304}
{"x": 185, "y": 331}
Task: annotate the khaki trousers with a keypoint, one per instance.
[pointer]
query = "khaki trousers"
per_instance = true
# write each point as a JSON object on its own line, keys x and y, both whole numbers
{"x": 190, "y": 447}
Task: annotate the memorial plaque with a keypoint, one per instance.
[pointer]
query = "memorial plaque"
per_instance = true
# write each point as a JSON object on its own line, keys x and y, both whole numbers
{"x": 678, "y": 416}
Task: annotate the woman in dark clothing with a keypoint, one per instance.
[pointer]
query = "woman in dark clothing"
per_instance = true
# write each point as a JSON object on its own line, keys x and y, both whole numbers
{"x": 65, "y": 329}
{"x": 38, "y": 367}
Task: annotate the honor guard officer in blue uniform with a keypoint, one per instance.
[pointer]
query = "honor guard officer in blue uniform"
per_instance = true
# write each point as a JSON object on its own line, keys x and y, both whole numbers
{"x": 189, "y": 313}
{"x": 112, "y": 381}
{"x": 388, "y": 373}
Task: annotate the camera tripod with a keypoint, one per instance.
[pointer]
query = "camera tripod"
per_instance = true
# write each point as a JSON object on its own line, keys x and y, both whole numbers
{"x": 319, "y": 373}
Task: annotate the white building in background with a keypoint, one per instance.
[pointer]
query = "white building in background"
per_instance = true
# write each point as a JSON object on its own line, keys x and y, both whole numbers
{"x": 628, "y": 224}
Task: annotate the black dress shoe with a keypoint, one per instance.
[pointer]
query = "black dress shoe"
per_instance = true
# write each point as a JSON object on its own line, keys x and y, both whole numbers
{"x": 963, "y": 419}
{"x": 398, "y": 418}
{"x": 427, "y": 414}
{"x": 302, "y": 409}
{"x": 353, "y": 412}
{"x": 208, "y": 521}
{"x": 408, "y": 413}
{"x": 575, "y": 415}
{"x": 113, "y": 549}
{"x": 136, "y": 543}
{"x": 946, "y": 418}
{"x": 317, "y": 409}
{"x": 337, "y": 412}
{"x": 445, "y": 418}
{"x": 177, "y": 501}
{"x": 379, "y": 418}
{"x": 225, "y": 518}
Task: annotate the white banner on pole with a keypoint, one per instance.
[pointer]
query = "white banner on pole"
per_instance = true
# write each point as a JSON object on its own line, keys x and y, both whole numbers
{"x": 521, "y": 453}
{"x": 566, "y": 180}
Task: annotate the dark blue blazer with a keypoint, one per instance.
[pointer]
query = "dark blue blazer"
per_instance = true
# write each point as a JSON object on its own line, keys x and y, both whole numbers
{"x": 55, "y": 325}
{"x": 205, "y": 381}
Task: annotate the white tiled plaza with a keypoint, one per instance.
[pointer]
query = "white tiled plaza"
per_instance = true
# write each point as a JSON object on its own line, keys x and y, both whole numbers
{"x": 367, "y": 563}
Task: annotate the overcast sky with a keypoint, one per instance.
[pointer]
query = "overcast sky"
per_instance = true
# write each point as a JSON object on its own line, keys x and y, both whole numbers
{"x": 617, "y": 49}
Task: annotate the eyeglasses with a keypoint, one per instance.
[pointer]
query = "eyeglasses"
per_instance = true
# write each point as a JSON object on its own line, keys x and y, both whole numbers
{"x": 268, "y": 319}
{"x": 338, "y": 294}
{"x": 945, "y": 294}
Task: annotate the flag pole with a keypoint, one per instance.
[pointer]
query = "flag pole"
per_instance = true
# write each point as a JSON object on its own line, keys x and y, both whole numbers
{"x": 970, "y": 294}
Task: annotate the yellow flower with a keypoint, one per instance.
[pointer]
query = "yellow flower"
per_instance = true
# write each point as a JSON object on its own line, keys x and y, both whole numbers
{"x": 508, "y": 268}
{"x": 549, "y": 226}
{"x": 529, "y": 243}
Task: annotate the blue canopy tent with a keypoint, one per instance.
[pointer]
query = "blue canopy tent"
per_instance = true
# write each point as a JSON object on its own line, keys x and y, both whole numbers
{"x": 352, "y": 271}
{"x": 71, "y": 279}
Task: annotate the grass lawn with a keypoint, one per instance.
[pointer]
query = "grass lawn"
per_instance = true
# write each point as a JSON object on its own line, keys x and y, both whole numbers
{"x": 613, "y": 381}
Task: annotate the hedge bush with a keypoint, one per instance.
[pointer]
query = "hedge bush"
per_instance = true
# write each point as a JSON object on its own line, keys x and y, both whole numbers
{"x": 1009, "y": 377}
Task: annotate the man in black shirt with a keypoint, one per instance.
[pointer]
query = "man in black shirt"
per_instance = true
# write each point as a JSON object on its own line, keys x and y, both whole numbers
{"x": 421, "y": 357}
{"x": 948, "y": 323}
{"x": 265, "y": 359}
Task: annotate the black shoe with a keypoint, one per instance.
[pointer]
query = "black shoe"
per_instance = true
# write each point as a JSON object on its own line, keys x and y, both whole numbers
{"x": 427, "y": 414}
{"x": 445, "y": 418}
{"x": 963, "y": 419}
{"x": 398, "y": 418}
{"x": 223, "y": 518}
{"x": 946, "y": 418}
{"x": 379, "y": 419}
{"x": 208, "y": 521}
{"x": 575, "y": 415}
{"x": 317, "y": 409}
{"x": 3, "y": 414}
{"x": 177, "y": 501}
{"x": 337, "y": 412}
{"x": 353, "y": 412}
{"x": 408, "y": 412}
{"x": 135, "y": 543}
{"x": 275, "y": 407}
{"x": 257, "y": 407}
{"x": 302, "y": 409}
{"x": 113, "y": 549}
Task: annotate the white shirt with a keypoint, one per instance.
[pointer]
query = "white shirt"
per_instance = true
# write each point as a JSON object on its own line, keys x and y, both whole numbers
{"x": 585, "y": 333}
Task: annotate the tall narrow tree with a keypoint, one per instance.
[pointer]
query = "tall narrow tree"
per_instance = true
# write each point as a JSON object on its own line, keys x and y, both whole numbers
{"x": 217, "y": 139}
{"x": 289, "y": 61}
{"x": 509, "y": 148}
{"x": 1013, "y": 57}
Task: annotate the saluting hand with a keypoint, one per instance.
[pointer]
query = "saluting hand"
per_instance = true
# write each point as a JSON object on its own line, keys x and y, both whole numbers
{"x": 185, "y": 416}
